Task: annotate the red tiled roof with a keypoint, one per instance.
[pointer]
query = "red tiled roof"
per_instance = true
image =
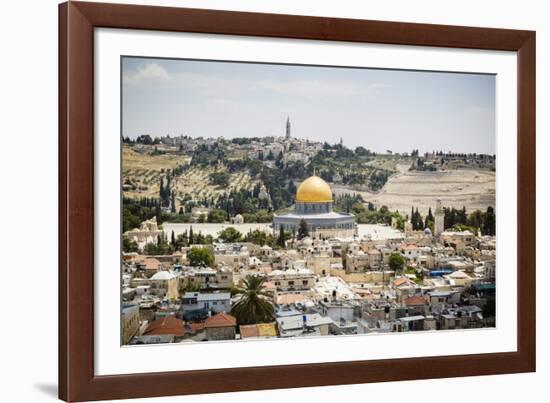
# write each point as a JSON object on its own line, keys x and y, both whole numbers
{"x": 402, "y": 281}
{"x": 151, "y": 264}
{"x": 196, "y": 327}
{"x": 166, "y": 325}
{"x": 414, "y": 300}
{"x": 220, "y": 320}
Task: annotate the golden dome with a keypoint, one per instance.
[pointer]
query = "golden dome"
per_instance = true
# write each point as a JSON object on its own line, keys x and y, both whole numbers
{"x": 314, "y": 190}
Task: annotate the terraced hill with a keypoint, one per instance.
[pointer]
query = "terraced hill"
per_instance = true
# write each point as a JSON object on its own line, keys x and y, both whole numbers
{"x": 474, "y": 189}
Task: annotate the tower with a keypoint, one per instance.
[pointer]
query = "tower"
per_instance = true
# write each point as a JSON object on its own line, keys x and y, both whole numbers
{"x": 439, "y": 219}
{"x": 287, "y": 128}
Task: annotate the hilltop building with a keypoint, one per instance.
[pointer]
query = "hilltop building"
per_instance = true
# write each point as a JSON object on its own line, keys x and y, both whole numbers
{"x": 314, "y": 206}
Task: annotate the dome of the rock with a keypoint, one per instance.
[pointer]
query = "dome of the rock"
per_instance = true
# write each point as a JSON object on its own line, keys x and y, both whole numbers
{"x": 314, "y": 190}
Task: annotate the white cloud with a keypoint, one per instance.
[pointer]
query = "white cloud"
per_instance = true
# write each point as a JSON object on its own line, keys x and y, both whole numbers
{"x": 152, "y": 76}
{"x": 149, "y": 74}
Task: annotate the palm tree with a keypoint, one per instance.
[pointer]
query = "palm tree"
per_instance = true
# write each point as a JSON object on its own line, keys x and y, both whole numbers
{"x": 254, "y": 303}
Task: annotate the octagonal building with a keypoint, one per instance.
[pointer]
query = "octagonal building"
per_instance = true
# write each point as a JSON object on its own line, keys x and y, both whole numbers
{"x": 314, "y": 205}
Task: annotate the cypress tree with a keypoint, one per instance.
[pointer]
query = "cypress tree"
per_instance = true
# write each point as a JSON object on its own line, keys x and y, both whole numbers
{"x": 191, "y": 238}
{"x": 303, "y": 229}
{"x": 462, "y": 218}
{"x": 489, "y": 222}
{"x": 157, "y": 212}
{"x": 281, "y": 238}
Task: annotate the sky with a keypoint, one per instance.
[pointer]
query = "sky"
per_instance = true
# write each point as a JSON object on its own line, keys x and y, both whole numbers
{"x": 378, "y": 109}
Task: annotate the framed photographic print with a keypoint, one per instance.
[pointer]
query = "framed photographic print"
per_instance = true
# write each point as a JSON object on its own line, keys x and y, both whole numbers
{"x": 257, "y": 201}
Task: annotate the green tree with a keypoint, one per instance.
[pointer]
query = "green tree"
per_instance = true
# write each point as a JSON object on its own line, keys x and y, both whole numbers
{"x": 429, "y": 219}
{"x": 192, "y": 285}
{"x": 220, "y": 179}
{"x": 476, "y": 219}
{"x": 416, "y": 220}
{"x": 182, "y": 240}
{"x": 254, "y": 303}
{"x": 358, "y": 208}
{"x": 191, "y": 237}
{"x": 200, "y": 257}
{"x": 150, "y": 249}
{"x": 303, "y": 229}
{"x": 158, "y": 212}
{"x": 461, "y": 217}
{"x": 229, "y": 235}
{"x": 489, "y": 222}
{"x": 129, "y": 246}
{"x": 216, "y": 216}
{"x": 281, "y": 240}
{"x": 257, "y": 237}
{"x": 173, "y": 238}
{"x": 396, "y": 261}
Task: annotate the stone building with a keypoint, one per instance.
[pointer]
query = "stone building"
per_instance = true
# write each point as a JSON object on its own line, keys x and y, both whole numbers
{"x": 164, "y": 284}
{"x": 220, "y": 327}
{"x": 147, "y": 232}
{"x": 292, "y": 279}
{"x": 130, "y": 322}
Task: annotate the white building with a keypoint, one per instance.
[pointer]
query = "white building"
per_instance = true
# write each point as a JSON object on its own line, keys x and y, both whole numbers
{"x": 213, "y": 302}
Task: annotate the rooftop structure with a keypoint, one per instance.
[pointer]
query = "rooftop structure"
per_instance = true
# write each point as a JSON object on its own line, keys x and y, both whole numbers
{"x": 166, "y": 326}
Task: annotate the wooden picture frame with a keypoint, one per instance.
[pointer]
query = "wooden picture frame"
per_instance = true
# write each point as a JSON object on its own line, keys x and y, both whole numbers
{"x": 77, "y": 21}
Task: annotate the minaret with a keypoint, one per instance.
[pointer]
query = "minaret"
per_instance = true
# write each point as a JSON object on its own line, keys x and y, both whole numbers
{"x": 439, "y": 219}
{"x": 287, "y": 128}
